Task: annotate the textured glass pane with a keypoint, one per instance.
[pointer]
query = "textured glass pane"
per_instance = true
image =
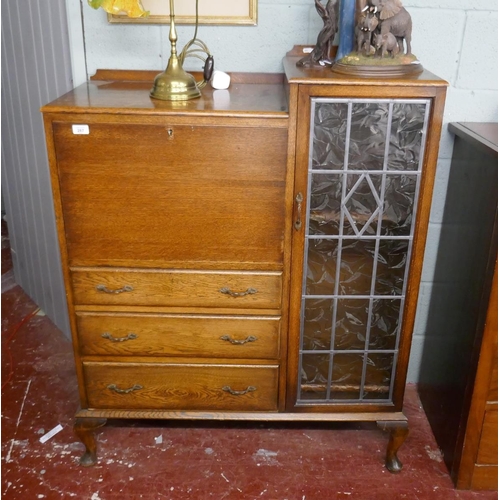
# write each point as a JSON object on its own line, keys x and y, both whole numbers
{"x": 351, "y": 324}
{"x": 326, "y": 196}
{"x": 318, "y": 317}
{"x": 356, "y": 267}
{"x": 346, "y": 376}
{"x": 378, "y": 376}
{"x": 362, "y": 202}
{"x": 406, "y": 136}
{"x": 391, "y": 266}
{"x": 321, "y": 267}
{"x": 399, "y": 199}
{"x": 385, "y": 324}
{"x": 314, "y": 376}
{"x": 330, "y": 126}
{"x": 368, "y": 135}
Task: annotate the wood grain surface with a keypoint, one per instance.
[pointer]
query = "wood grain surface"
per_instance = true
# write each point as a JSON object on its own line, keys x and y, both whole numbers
{"x": 178, "y": 335}
{"x": 187, "y": 387}
{"x": 161, "y": 287}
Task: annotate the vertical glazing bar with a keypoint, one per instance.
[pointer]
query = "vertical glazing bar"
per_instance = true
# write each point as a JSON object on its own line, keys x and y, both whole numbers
{"x": 339, "y": 247}
{"x": 412, "y": 231}
{"x": 377, "y": 247}
{"x": 306, "y": 238}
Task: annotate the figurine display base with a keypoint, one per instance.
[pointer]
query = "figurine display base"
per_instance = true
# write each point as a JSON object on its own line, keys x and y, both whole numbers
{"x": 356, "y": 64}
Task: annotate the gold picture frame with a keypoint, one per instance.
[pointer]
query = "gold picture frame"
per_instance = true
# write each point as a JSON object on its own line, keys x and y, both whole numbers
{"x": 234, "y": 12}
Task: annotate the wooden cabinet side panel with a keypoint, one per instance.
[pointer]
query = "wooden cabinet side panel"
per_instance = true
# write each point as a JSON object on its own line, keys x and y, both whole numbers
{"x": 482, "y": 382}
{"x": 56, "y": 193}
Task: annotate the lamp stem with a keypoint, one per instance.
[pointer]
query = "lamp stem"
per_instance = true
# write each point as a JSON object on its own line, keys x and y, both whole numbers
{"x": 173, "y": 33}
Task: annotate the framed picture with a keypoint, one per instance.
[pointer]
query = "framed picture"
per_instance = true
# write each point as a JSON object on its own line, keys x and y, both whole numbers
{"x": 209, "y": 12}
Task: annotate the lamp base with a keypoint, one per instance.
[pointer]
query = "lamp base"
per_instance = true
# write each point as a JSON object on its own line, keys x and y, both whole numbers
{"x": 174, "y": 84}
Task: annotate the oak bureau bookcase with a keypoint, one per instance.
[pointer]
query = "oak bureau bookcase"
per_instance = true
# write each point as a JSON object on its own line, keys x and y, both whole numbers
{"x": 257, "y": 259}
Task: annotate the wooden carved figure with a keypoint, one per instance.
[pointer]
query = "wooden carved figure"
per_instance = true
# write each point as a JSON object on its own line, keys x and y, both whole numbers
{"x": 320, "y": 55}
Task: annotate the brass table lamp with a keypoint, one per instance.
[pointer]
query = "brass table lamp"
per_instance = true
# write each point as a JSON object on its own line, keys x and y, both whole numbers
{"x": 174, "y": 84}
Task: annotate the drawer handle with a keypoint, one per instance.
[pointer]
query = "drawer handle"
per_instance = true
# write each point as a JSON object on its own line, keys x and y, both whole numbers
{"x": 130, "y": 336}
{"x": 228, "y": 291}
{"x": 250, "y": 388}
{"x": 114, "y": 388}
{"x": 298, "y": 222}
{"x": 103, "y": 288}
{"x": 250, "y": 338}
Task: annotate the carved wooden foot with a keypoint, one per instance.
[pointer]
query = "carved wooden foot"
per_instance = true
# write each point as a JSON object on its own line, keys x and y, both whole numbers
{"x": 84, "y": 428}
{"x": 398, "y": 431}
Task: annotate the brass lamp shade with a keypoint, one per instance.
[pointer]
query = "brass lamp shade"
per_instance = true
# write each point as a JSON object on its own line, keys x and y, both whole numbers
{"x": 174, "y": 84}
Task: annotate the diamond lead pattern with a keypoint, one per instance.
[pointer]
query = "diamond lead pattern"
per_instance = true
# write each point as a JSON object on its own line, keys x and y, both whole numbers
{"x": 359, "y": 203}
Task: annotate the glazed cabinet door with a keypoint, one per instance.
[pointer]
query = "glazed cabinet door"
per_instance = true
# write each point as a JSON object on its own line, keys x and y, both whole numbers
{"x": 357, "y": 188}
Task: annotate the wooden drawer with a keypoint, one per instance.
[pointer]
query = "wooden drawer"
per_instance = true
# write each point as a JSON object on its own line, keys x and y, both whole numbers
{"x": 177, "y": 288}
{"x": 161, "y": 193}
{"x": 181, "y": 387}
{"x": 171, "y": 335}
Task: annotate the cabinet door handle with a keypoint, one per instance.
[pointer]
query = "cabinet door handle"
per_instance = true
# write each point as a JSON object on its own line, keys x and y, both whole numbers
{"x": 298, "y": 221}
{"x": 250, "y": 338}
{"x": 103, "y": 288}
{"x": 116, "y": 389}
{"x": 227, "y": 291}
{"x": 250, "y": 388}
{"x": 107, "y": 335}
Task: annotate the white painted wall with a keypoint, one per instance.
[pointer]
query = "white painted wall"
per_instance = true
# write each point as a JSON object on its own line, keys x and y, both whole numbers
{"x": 455, "y": 39}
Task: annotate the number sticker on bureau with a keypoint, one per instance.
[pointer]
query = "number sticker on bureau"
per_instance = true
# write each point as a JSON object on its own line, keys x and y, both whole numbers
{"x": 80, "y": 129}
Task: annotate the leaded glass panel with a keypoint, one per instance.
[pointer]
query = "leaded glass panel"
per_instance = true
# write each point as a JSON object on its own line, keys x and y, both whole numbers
{"x": 391, "y": 267}
{"x": 356, "y": 268}
{"x": 399, "y": 199}
{"x": 351, "y": 324}
{"x": 378, "y": 375}
{"x": 384, "y": 324}
{"x": 321, "y": 267}
{"x": 325, "y": 204}
{"x": 329, "y": 135}
{"x": 347, "y": 371}
{"x": 368, "y": 135}
{"x": 318, "y": 317}
{"x": 407, "y": 128}
{"x": 359, "y": 236}
{"x": 314, "y": 376}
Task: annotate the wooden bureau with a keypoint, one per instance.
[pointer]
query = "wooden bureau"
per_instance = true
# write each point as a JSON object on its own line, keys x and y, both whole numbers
{"x": 458, "y": 383}
{"x": 182, "y": 225}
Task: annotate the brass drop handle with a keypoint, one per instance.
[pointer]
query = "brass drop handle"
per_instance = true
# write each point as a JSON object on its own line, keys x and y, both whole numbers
{"x": 250, "y": 388}
{"x": 250, "y": 338}
{"x": 298, "y": 222}
{"x": 103, "y": 288}
{"x": 130, "y": 336}
{"x": 114, "y": 388}
{"x": 227, "y": 291}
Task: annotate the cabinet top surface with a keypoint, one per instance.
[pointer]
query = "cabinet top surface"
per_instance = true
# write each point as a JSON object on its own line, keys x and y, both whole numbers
{"x": 325, "y": 76}
{"x": 482, "y": 135}
{"x": 127, "y": 92}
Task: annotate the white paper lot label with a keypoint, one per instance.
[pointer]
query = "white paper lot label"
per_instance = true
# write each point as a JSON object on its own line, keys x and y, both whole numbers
{"x": 81, "y": 129}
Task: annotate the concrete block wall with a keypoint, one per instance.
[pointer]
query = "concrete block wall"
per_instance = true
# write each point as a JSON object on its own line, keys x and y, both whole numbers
{"x": 455, "y": 39}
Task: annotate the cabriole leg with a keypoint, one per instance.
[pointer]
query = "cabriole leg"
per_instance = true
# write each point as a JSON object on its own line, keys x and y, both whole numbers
{"x": 398, "y": 431}
{"x": 84, "y": 428}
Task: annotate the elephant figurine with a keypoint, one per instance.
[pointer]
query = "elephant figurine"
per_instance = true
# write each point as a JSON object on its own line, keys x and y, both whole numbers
{"x": 364, "y": 31}
{"x": 395, "y": 19}
{"x": 386, "y": 44}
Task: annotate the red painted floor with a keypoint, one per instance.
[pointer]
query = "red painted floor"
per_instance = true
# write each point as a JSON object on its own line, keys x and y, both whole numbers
{"x": 176, "y": 460}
